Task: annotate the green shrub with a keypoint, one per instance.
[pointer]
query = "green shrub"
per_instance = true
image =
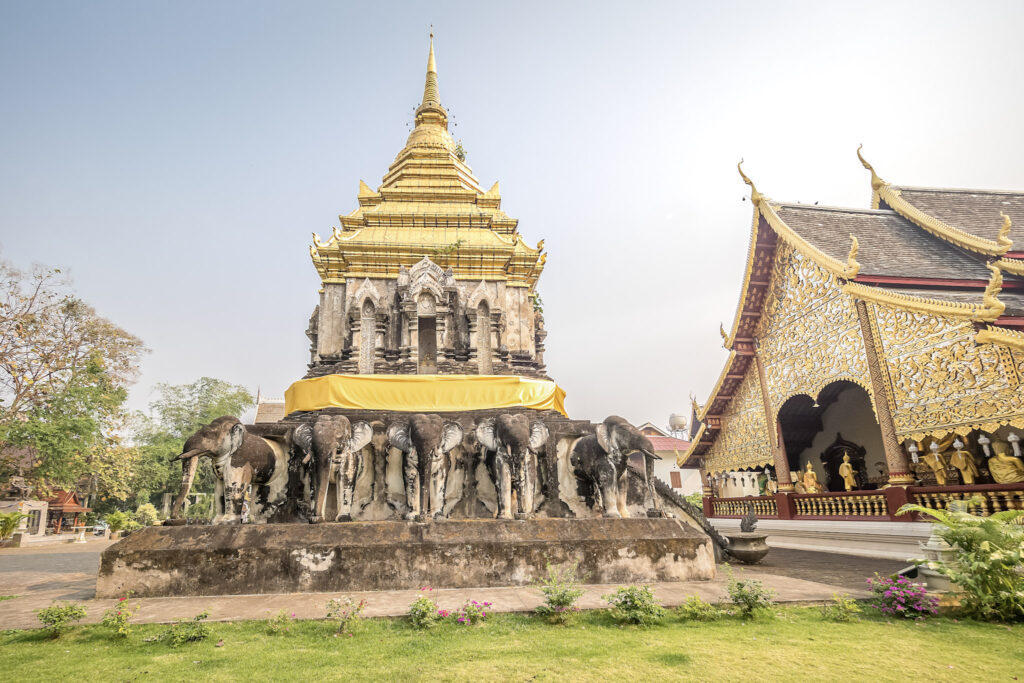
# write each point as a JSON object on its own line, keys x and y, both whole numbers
{"x": 561, "y": 589}
{"x": 146, "y": 514}
{"x": 280, "y": 623}
{"x": 695, "y": 499}
{"x": 423, "y": 612}
{"x": 57, "y": 617}
{"x": 635, "y": 605}
{"x": 472, "y": 612}
{"x": 187, "y": 631}
{"x": 9, "y": 522}
{"x": 347, "y": 612}
{"x": 989, "y": 556}
{"x": 748, "y": 595}
{"x": 131, "y": 525}
{"x": 116, "y": 619}
{"x": 695, "y": 609}
{"x": 842, "y": 609}
{"x": 116, "y": 520}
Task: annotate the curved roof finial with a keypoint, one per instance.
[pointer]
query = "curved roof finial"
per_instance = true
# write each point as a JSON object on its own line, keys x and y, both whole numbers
{"x": 1003, "y": 239}
{"x": 755, "y": 196}
{"x": 876, "y": 182}
{"x": 852, "y": 266}
{"x": 995, "y": 285}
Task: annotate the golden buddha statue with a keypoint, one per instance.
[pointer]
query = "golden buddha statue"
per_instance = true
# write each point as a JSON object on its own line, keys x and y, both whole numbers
{"x": 936, "y": 462}
{"x": 810, "y": 481}
{"x": 847, "y": 473}
{"x": 1004, "y": 467}
{"x": 964, "y": 461}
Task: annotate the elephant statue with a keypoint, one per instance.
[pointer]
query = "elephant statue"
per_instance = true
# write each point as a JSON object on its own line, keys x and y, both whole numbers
{"x": 425, "y": 441}
{"x": 331, "y": 447}
{"x": 512, "y": 443}
{"x": 600, "y": 459}
{"x": 241, "y": 462}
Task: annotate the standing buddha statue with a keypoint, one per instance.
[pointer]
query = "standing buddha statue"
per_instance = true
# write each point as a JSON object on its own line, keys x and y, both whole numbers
{"x": 847, "y": 473}
{"x": 936, "y": 462}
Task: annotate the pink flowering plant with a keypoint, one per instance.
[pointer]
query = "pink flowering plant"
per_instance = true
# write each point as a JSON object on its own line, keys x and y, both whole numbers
{"x": 472, "y": 612}
{"x": 116, "y": 619}
{"x": 347, "y": 612}
{"x": 900, "y": 597}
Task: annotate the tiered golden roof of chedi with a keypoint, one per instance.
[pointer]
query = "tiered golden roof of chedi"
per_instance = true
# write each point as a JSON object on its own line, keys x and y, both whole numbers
{"x": 429, "y": 204}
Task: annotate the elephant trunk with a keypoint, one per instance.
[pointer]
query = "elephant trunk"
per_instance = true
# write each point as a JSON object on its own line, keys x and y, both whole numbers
{"x": 189, "y": 465}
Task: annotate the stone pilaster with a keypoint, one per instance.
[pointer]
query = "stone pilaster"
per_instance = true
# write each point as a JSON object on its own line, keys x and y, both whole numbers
{"x": 331, "y": 325}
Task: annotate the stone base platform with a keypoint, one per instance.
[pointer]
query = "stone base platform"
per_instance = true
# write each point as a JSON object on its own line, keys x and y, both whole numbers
{"x": 397, "y": 555}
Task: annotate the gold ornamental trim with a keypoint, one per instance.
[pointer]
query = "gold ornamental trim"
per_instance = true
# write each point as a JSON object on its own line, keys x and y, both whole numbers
{"x": 992, "y": 334}
{"x": 713, "y": 396}
{"x": 1011, "y": 266}
{"x": 681, "y": 458}
{"x": 988, "y": 310}
{"x": 894, "y": 198}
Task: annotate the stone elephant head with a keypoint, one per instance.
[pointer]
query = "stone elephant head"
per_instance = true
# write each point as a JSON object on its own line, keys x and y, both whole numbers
{"x": 331, "y": 446}
{"x": 513, "y": 443}
{"x": 239, "y": 459}
{"x": 425, "y": 441}
{"x": 600, "y": 460}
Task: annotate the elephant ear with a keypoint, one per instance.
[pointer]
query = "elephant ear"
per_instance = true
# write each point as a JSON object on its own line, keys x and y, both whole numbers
{"x": 233, "y": 440}
{"x": 302, "y": 439}
{"x": 451, "y": 436}
{"x": 485, "y": 434}
{"x": 362, "y": 432}
{"x": 603, "y": 439}
{"x": 538, "y": 435}
{"x": 398, "y": 436}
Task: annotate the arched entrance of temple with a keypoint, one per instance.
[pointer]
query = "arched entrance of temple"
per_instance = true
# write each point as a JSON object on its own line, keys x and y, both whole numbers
{"x": 426, "y": 319}
{"x": 820, "y": 431}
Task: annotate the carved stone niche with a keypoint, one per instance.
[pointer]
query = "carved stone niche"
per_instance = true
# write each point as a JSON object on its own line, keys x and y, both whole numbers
{"x": 832, "y": 458}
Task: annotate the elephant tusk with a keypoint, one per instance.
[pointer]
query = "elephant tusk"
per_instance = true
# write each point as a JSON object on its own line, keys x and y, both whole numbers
{"x": 653, "y": 455}
{"x": 186, "y": 455}
{"x": 309, "y": 456}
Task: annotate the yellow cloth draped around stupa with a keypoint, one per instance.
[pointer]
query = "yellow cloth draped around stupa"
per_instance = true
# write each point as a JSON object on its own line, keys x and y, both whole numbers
{"x": 423, "y": 393}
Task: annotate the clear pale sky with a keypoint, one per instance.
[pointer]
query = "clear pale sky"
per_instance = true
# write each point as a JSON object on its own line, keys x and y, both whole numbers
{"x": 175, "y": 157}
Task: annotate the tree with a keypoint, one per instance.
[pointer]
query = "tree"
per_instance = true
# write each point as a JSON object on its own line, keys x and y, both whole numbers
{"x": 64, "y": 373}
{"x": 179, "y": 412}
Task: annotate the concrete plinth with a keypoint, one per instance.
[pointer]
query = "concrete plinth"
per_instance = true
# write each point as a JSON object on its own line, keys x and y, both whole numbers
{"x": 395, "y": 555}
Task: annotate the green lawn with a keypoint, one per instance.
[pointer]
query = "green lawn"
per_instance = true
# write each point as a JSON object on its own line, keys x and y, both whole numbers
{"x": 794, "y": 645}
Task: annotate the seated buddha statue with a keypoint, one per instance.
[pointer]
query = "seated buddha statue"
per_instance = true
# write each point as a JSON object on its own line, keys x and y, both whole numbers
{"x": 810, "y": 480}
{"x": 964, "y": 461}
{"x": 1004, "y": 467}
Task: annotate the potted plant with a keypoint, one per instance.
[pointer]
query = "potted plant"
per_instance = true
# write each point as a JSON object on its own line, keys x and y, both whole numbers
{"x": 748, "y": 546}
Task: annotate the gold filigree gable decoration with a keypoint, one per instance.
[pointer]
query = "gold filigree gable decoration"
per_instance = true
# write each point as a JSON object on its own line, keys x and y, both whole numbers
{"x": 942, "y": 380}
{"x": 988, "y": 310}
{"x": 742, "y": 440}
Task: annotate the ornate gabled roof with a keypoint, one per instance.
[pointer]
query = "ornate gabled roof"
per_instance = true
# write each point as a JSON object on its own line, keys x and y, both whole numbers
{"x": 429, "y": 204}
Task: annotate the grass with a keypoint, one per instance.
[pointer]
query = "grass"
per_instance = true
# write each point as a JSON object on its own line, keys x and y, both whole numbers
{"x": 7, "y": 597}
{"x": 795, "y": 645}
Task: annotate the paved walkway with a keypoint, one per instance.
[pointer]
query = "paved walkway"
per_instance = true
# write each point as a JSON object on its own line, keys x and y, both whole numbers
{"x": 39, "y": 575}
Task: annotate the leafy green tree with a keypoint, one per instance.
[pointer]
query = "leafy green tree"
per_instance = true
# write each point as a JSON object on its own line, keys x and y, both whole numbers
{"x": 179, "y": 411}
{"x": 64, "y": 374}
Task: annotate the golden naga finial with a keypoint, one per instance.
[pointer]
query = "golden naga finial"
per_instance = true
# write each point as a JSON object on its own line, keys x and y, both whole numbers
{"x": 540, "y": 245}
{"x": 1003, "y": 239}
{"x": 721, "y": 331}
{"x": 852, "y": 266}
{"x": 755, "y": 196}
{"x": 694, "y": 405}
{"x": 995, "y": 285}
{"x": 312, "y": 253}
{"x": 876, "y": 182}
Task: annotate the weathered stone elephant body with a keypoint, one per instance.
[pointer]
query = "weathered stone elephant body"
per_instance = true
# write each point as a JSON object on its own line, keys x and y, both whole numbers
{"x": 600, "y": 460}
{"x": 240, "y": 461}
{"x": 331, "y": 447}
{"x": 425, "y": 441}
{"x": 512, "y": 443}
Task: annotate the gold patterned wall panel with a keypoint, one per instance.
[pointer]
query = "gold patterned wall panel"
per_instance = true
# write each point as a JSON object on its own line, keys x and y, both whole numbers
{"x": 743, "y": 439}
{"x": 809, "y": 334}
{"x": 940, "y": 380}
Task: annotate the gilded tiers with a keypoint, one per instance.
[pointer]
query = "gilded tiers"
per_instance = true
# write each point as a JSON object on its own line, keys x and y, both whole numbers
{"x": 429, "y": 204}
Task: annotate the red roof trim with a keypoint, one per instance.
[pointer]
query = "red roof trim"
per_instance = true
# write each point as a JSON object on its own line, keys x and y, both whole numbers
{"x": 931, "y": 282}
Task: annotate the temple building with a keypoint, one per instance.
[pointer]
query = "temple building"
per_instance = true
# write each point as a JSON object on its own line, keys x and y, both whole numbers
{"x": 428, "y": 275}
{"x": 871, "y": 349}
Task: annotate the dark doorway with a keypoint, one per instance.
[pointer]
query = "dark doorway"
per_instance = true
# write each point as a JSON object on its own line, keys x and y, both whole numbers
{"x": 428, "y": 346}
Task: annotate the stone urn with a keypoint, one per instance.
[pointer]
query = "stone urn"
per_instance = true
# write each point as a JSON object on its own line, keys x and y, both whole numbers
{"x": 937, "y": 552}
{"x": 748, "y": 546}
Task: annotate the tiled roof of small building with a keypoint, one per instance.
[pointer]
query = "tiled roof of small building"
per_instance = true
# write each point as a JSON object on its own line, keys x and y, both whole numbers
{"x": 975, "y": 211}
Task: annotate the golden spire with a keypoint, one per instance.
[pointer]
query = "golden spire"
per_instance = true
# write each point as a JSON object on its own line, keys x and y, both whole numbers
{"x": 430, "y": 92}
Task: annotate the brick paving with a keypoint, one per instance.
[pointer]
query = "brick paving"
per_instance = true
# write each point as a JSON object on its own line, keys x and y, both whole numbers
{"x": 38, "y": 575}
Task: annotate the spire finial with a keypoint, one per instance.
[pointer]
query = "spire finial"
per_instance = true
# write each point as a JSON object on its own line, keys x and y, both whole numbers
{"x": 430, "y": 92}
{"x": 755, "y": 196}
{"x": 876, "y": 182}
